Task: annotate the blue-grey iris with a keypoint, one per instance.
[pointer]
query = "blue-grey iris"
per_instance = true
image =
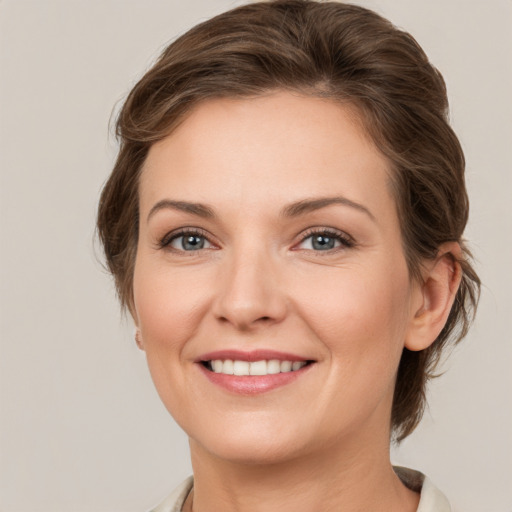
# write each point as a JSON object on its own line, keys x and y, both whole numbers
{"x": 192, "y": 242}
{"x": 323, "y": 243}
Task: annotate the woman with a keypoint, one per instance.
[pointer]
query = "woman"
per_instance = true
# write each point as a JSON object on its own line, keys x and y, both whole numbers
{"x": 284, "y": 223}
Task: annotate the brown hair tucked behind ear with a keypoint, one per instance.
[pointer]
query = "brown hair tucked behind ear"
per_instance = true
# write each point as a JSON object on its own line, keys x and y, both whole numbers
{"x": 328, "y": 49}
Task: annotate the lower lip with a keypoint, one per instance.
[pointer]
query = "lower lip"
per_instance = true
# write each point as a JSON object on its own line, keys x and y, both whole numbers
{"x": 253, "y": 384}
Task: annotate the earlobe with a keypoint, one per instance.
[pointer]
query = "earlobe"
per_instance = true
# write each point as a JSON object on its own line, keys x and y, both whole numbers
{"x": 441, "y": 280}
{"x": 138, "y": 339}
{"x": 137, "y": 334}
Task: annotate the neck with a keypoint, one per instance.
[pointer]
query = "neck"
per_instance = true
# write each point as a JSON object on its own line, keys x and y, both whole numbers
{"x": 335, "y": 478}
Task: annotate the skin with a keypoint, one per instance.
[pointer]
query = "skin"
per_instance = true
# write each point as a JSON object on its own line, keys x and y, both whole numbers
{"x": 258, "y": 283}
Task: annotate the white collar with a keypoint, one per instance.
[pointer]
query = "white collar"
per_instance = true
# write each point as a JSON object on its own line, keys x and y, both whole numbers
{"x": 431, "y": 500}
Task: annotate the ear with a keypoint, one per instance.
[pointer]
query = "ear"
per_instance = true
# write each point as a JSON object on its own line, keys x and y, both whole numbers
{"x": 138, "y": 339}
{"x": 137, "y": 334}
{"x": 434, "y": 296}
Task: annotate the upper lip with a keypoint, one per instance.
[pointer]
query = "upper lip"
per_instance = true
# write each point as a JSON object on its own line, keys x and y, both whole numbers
{"x": 253, "y": 355}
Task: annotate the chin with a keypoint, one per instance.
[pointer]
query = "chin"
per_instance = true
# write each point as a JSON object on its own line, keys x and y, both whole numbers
{"x": 251, "y": 454}
{"x": 253, "y": 444}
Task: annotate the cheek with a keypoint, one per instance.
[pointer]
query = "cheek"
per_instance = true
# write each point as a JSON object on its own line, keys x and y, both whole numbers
{"x": 358, "y": 311}
{"x": 169, "y": 307}
{"x": 360, "y": 319}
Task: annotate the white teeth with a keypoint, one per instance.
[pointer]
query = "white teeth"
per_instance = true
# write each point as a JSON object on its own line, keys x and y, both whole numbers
{"x": 227, "y": 367}
{"x": 297, "y": 365}
{"x": 242, "y": 368}
{"x": 286, "y": 366}
{"x": 273, "y": 366}
{"x": 258, "y": 368}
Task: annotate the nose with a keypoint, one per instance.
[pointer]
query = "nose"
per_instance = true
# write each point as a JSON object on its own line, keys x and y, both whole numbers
{"x": 250, "y": 294}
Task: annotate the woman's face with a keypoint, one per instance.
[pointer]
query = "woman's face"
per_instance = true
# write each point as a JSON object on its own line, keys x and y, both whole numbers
{"x": 268, "y": 237}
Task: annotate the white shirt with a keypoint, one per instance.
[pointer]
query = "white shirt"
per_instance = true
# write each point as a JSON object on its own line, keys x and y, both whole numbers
{"x": 431, "y": 498}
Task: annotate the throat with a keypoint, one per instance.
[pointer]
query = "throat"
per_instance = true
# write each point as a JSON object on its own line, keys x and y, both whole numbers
{"x": 323, "y": 483}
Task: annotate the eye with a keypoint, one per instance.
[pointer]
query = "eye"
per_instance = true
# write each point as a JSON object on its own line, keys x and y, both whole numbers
{"x": 186, "y": 241}
{"x": 325, "y": 240}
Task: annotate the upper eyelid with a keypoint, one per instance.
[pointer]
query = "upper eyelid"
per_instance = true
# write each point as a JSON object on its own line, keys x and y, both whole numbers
{"x": 304, "y": 235}
{"x": 327, "y": 230}
{"x": 176, "y": 233}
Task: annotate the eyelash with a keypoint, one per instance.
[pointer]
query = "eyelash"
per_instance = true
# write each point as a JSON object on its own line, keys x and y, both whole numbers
{"x": 165, "y": 242}
{"x": 346, "y": 241}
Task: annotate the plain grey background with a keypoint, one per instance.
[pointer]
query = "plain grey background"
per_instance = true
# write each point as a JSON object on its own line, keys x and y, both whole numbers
{"x": 81, "y": 427}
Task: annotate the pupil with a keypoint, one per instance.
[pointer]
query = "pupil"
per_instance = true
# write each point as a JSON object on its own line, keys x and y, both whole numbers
{"x": 323, "y": 243}
{"x": 192, "y": 242}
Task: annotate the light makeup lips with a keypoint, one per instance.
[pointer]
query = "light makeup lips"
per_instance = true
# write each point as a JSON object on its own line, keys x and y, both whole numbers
{"x": 252, "y": 372}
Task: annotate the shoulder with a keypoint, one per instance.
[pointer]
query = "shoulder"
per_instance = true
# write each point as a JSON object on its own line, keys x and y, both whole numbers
{"x": 431, "y": 498}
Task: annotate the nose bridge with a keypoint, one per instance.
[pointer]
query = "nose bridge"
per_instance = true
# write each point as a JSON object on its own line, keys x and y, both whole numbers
{"x": 249, "y": 291}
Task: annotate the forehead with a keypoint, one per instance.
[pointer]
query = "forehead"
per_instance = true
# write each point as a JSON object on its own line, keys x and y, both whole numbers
{"x": 269, "y": 149}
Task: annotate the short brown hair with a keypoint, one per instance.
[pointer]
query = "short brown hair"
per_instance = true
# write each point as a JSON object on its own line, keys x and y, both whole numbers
{"x": 332, "y": 50}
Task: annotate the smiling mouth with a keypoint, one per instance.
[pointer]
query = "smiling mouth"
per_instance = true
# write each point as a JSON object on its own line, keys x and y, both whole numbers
{"x": 253, "y": 368}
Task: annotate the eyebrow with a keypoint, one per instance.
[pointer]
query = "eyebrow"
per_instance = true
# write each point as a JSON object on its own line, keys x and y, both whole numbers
{"x": 201, "y": 210}
{"x": 309, "y": 205}
{"x": 292, "y": 210}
